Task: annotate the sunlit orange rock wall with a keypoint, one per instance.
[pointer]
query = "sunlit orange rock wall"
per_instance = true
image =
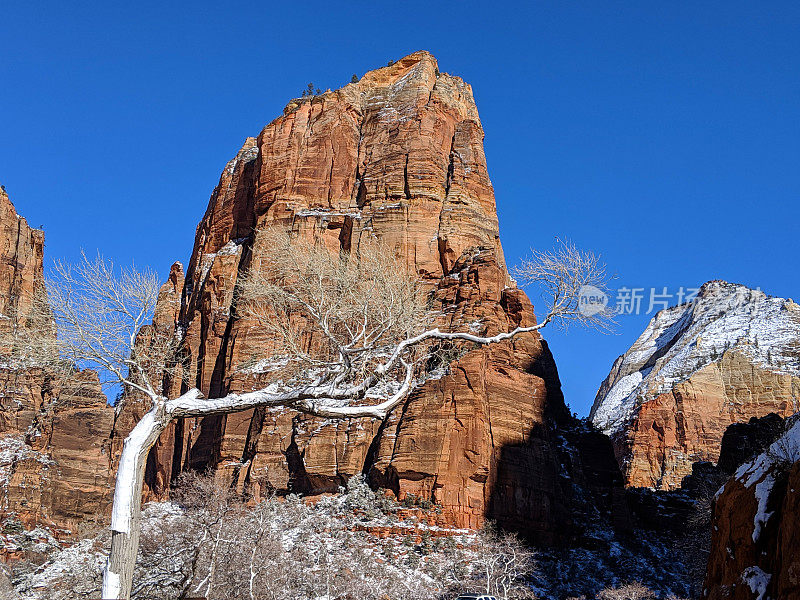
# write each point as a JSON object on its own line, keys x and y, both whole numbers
{"x": 399, "y": 157}
{"x": 55, "y": 466}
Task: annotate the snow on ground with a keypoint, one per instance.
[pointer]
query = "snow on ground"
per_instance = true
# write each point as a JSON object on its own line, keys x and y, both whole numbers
{"x": 347, "y": 527}
{"x": 683, "y": 339}
{"x": 15, "y": 540}
{"x": 79, "y": 565}
{"x": 334, "y": 527}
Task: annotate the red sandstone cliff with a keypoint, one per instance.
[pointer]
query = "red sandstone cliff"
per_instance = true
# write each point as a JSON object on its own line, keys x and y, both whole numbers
{"x": 755, "y": 540}
{"x": 54, "y": 432}
{"x": 699, "y": 367}
{"x": 397, "y": 156}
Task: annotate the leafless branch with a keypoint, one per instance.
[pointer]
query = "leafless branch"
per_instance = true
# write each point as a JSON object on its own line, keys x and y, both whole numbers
{"x": 103, "y": 315}
{"x": 568, "y": 278}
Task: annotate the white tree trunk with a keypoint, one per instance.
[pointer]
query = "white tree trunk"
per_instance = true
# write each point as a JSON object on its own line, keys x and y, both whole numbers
{"x": 127, "y": 511}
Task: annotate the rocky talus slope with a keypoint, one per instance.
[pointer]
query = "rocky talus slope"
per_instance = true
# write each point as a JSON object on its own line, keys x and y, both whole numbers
{"x": 731, "y": 355}
{"x": 397, "y": 156}
{"x": 55, "y": 466}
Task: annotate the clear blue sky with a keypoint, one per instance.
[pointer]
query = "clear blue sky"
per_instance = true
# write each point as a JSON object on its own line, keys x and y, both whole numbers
{"x": 664, "y": 135}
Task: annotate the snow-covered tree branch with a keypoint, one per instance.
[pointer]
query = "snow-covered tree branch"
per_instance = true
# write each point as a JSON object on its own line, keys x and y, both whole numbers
{"x": 351, "y": 335}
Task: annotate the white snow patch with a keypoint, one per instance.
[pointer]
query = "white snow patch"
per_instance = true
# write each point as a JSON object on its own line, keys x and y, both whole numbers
{"x": 617, "y": 404}
{"x": 231, "y": 248}
{"x": 757, "y": 580}
{"x": 266, "y": 365}
{"x": 324, "y": 213}
{"x": 81, "y": 557}
{"x": 112, "y": 584}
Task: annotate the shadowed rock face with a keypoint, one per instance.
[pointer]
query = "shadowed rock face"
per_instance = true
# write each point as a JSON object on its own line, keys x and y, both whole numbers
{"x": 54, "y": 434}
{"x": 732, "y": 355}
{"x": 755, "y": 538}
{"x": 397, "y": 156}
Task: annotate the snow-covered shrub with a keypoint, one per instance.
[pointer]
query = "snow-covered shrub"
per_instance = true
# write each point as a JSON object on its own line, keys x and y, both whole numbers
{"x": 168, "y": 551}
{"x": 630, "y": 591}
{"x": 503, "y": 564}
{"x": 71, "y": 573}
{"x": 210, "y": 543}
{"x": 360, "y": 497}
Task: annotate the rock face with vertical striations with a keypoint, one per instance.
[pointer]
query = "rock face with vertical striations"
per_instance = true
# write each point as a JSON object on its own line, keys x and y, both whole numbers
{"x": 397, "y": 156}
{"x": 55, "y": 466}
{"x": 731, "y": 355}
{"x": 21, "y": 258}
{"x": 755, "y": 538}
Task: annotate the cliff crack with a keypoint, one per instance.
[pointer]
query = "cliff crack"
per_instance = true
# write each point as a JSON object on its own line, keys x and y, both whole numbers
{"x": 330, "y": 180}
{"x": 358, "y": 184}
{"x": 450, "y": 167}
{"x": 406, "y": 187}
{"x": 440, "y": 237}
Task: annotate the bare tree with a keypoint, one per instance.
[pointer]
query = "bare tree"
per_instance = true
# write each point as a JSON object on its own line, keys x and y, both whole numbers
{"x": 567, "y": 275}
{"x": 212, "y": 507}
{"x": 504, "y": 563}
{"x": 629, "y": 591}
{"x": 102, "y": 314}
{"x": 351, "y": 337}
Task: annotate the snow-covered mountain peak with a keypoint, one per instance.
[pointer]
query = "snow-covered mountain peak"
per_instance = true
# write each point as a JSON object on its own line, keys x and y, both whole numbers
{"x": 682, "y": 339}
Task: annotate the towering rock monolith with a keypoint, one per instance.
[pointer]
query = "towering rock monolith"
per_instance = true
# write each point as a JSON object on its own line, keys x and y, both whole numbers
{"x": 398, "y": 157}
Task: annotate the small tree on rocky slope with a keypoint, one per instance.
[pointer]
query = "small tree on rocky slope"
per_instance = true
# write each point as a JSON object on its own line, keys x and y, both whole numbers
{"x": 352, "y": 335}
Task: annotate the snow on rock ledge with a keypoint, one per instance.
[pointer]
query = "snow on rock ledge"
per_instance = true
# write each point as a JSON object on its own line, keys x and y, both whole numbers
{"x": 755, "y": 546}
